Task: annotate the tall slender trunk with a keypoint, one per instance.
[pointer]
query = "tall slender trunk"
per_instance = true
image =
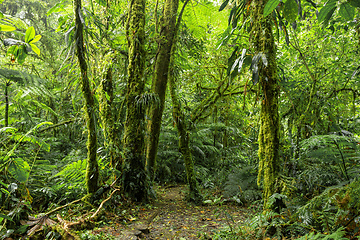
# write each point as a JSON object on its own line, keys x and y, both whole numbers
{"x": 135, "y": 180}
{"x": 184, "y": 144}
{"x": 7, "y": 84}
{"x": 263, "y": 42}
{"x": 92, "y": 169}
{"x": 106, "y": 99}
{"x": 184, "y": 137}
{"x": 160, "y": 79}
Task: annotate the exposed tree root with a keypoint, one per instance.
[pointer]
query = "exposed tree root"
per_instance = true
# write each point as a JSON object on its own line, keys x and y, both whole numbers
{"x": 67, "y": 228}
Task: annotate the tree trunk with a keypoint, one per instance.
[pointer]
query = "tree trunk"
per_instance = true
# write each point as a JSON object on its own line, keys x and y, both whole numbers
{"x": 263, "y": 42}
{"x": 7, "y": 84}
{"x": 135, "y": 180}
{"x": 160, "y": 79}
{"x": 184, "y": 147}
{"x": 92, "y": 169}
{"x": 106, "y": 99}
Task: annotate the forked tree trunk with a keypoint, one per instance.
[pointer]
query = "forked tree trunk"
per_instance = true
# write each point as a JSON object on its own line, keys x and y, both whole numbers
{"x": 160, "y": 79}
{"x": 135, "y": 180}
{"x": 263, "y": 42}
{"x": 92, "y": 169}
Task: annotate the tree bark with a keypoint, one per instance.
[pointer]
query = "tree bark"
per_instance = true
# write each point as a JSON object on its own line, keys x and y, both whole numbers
{"x": 160, "y": 79}
{"x": 134, "y": 178}
{"x": 92, "y": 169}
{"x": 184, "y": 144}
{"x": 106, "y": 99}
{"x": 7, "y": 84}
{"x": 263, "y": 42}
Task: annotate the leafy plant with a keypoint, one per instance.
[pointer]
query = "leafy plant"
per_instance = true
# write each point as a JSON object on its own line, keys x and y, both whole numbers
{"x": 242, "y": 184}
{"x": 18, "y": 50}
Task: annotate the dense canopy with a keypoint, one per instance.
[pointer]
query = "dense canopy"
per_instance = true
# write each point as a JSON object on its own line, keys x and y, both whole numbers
{"x": 109, "y": 108}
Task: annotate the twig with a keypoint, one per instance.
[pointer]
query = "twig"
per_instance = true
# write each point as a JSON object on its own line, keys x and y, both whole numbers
{"x": 57, "y": 125}
{"x": 64, "y": 206}
{"x": 102, "y": 203}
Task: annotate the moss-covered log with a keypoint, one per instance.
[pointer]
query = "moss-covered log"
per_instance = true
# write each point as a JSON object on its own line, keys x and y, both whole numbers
{"x": 92, "y": 169}
{"x": 262, "y": 42}
{"x": 134, "y": 177}
{"x": 160, "y": 79}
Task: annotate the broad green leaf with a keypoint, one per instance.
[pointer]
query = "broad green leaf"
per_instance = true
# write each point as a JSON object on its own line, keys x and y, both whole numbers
{"x": 30, "y": 34}
{"x": 21, "y": 54}
{"x": 19, "y": 169}
{"x": 35, "y": 49}
{"x": 347, "y": 11}
{"x": 225, "y": 3}
{"x": 1, "y": 15}
{"x": 36, "y": 38}
{"x": 6, "y": 28}
{"x": 291, "y": 11}
{"x": 11, "y": 50}
{"x": 327, "y": 11}
{"x": 270, "y": 6}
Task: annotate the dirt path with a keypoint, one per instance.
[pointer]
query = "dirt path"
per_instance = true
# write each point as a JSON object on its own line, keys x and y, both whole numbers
{"x": 171, "y": 217}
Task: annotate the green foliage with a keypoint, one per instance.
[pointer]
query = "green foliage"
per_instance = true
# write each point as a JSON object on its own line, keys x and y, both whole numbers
{"x": 337, "y": 235}
{"x": 326, "y": 157}
{"x": 270, "y": 6}
{"x": 19, "y": 50}
{"x": 242, "y": 185}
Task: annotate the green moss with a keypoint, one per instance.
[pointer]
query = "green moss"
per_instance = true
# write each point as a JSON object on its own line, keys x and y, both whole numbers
{"x": 134, "y": 178}
{"x": 92, "y": 170}
{"x": 184, "y": 140}
{"x": 262, "y": 41}
{"x": 160, "y": 79}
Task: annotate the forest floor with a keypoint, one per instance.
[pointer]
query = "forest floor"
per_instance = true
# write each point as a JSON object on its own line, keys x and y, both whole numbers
{"x": 170, "y": 216}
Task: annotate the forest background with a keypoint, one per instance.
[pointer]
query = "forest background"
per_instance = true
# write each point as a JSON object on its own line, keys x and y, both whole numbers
{"x": 257, "y": 100}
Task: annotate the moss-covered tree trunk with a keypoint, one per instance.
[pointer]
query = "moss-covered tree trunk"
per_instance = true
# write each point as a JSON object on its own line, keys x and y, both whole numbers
{"x": 165, "y": 41}
{"x": 184, "y": 144}
{"x": 92, "y": 169}
{"x": 135, "y": 180}
{"x": 112, "y": 142}
{"x": 7, "y": 84}
{"x": 262, "y": 42}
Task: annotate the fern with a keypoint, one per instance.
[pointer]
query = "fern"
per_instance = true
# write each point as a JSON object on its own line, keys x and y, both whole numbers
{"x": 337, "y": 235}
{"x": 243, "y": 184}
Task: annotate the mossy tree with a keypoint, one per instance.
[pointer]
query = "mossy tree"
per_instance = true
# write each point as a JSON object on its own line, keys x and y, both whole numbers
{"x": 184, "y": 143}
{"x": 106, "y": 106}
{"x": 112, "y": 141}
{"x": 134, "y": 178}
{"x": 7, "y": 85}
{"x": 264, "y": 49}
{"x": 92, "y": 169}
{"x": 166, "y": 40}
